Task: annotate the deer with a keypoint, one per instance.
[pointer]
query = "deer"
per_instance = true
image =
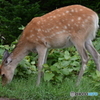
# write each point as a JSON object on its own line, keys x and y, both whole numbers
{"x": 73, "y": 25}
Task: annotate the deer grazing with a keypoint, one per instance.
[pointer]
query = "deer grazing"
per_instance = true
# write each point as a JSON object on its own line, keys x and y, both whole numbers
{"x": 72, "y": 25}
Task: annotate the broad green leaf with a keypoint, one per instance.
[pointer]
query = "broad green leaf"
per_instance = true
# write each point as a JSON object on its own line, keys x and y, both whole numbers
{"x": 54, "y": 68}
{"x": 60, "y": 78}
{"x": 74, "y": 57}
{"x": 29, "y": 71}
{"x": 45, "y": 65}
{"x": 66, "y": 71}
{"x": 98, "y": 73}
{"x": 60, "y": 58}
{"x": 75, "y": 63}
{"x": 48, "y": 76}
{"x": 33, "y": 62}
{"x": 65, "y": 63}
{"x": 66, "y": 55}
{"x": 97, "y": 84}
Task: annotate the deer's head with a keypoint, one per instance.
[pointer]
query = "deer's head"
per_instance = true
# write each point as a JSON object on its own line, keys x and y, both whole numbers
{"x": 6, "y": 68}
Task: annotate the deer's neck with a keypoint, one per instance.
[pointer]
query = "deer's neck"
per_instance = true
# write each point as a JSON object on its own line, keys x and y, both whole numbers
{"x": 20, "y": 51}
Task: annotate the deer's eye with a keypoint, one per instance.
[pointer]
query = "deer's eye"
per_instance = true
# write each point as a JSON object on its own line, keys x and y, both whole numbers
{"x": 8, "y": 60}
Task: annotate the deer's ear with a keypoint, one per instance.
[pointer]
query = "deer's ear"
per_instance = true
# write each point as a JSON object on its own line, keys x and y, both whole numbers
{"x": 5, "y": 54}
{"x": 8, "y": 60}
{"x": 6, "y": 57}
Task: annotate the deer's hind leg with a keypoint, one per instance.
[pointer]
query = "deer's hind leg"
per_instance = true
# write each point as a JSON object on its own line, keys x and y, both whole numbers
{"x": 80, "y": 46}
{"x": 94, "y": 53}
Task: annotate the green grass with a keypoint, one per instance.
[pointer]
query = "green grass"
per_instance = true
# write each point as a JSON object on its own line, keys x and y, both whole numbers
{"x": 25, "y": 89}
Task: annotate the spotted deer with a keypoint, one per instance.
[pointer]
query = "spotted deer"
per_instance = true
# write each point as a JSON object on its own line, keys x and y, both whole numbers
{"x": 72, "y": 25}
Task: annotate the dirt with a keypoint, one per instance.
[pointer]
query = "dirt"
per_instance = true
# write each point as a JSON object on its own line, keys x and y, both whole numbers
{"x": 7, "y": 99}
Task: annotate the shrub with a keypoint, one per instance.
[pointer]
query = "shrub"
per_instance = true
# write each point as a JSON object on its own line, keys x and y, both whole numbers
{"x": 14, "y": 14}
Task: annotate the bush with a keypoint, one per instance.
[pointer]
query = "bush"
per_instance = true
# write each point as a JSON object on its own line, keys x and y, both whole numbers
{"x": 14, "y": 14}
{"x": 67, "y": 64}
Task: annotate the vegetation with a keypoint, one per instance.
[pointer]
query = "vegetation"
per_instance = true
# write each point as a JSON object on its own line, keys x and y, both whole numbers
{"x": 25, "y": 89}
{"x": 63, "y": 65}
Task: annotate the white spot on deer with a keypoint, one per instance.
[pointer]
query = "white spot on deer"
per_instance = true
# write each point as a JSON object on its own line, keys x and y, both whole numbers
{"x": 63, "y": 14}
{"x": 53, "y": 35}
{"x": 39, "y": 37}
{"x": 43, "y": 39}
{"x": 67, "y": 11}
{"x": 76, "y": 24}
{"x": 65, "y": 27}
{"x": 57, "y": 27}
{"x": 83, "y": 25}
{"x": 46, "y": 31}
{"x": 72, "y": 10}
{"x": 72, "y": 20}
{"x": 39, "y": 30}
{"x": 68, "y": 24}
{"x": 81, "y": 9}
{"x": 64, "y": 31}
{"x": 79, "y": 18}
{"x": 31, "y": 36}
{"x": 59, "y": 32}
{"x": 54, "y": 16}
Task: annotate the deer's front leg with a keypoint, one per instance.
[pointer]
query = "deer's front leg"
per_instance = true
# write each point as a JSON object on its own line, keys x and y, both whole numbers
{"x": 42, "y": 51}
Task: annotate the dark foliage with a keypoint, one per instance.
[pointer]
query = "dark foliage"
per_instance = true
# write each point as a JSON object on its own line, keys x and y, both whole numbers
{"x": 15, "y": 13}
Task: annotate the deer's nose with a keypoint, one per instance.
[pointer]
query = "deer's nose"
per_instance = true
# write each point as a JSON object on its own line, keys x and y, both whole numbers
{"x": 3, "y": 75}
